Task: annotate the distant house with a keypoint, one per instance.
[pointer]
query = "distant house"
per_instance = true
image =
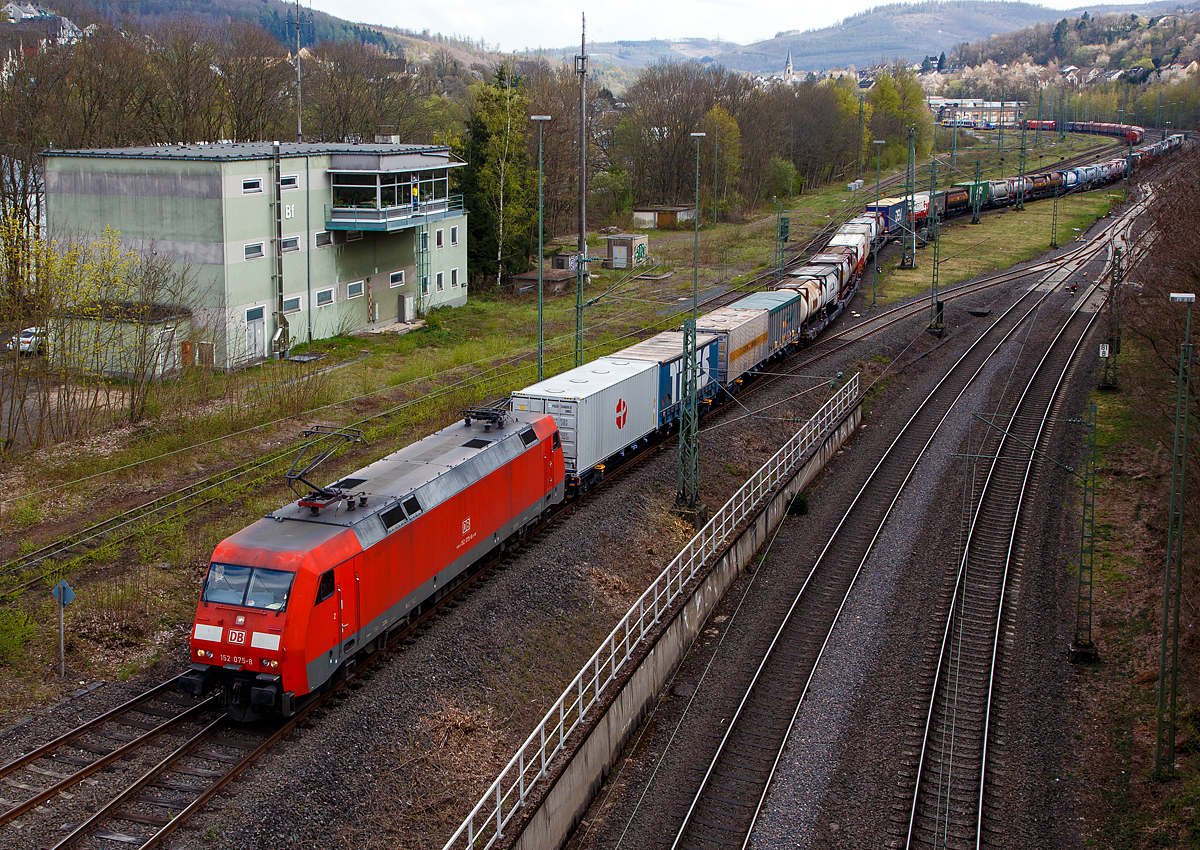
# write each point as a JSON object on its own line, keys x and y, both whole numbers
{"x": 18, "y": 12}
{"x": 286, "y": 242}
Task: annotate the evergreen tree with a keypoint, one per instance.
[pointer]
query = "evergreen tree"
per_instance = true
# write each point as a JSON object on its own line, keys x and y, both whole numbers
{"x": 496, "y": 180}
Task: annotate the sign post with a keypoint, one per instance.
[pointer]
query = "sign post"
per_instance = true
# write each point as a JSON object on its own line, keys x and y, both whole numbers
{"x": 64, "y": 596}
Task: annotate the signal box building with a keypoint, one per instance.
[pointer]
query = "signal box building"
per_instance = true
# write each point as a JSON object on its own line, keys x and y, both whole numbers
{"x": 285, "y": 242}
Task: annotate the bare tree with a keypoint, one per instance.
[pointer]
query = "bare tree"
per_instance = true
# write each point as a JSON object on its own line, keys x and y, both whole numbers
{"x": 187, "y": 103}
{"x": 257, "y": 83}
{"x": 110, "y": 91}
{"x": 352, "y": 90}
{"x": 554, "y": 91}
{"x": 31, "y": 111}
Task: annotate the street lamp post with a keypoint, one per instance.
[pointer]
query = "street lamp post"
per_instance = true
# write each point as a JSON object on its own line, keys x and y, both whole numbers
{"x": 541, "y": 122}
{"x": 1164, "y": 751}
{"x": 879, "y": 143}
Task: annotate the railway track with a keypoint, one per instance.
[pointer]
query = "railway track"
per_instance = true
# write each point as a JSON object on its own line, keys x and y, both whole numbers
{"x": 948, "y": 799}
{"x": 151, "y": 763}
{"x": 947, "y": 804}
{"x": 161, "y": 793}
{"x": 726, "y": 802}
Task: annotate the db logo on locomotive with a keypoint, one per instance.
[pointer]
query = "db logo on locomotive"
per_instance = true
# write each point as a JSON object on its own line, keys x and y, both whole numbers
{"x": 237, "y": 636}
{"x": 622, "y": 412}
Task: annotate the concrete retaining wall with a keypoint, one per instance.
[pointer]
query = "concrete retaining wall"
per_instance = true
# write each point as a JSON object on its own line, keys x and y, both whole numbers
{"x": 549, "y": 824}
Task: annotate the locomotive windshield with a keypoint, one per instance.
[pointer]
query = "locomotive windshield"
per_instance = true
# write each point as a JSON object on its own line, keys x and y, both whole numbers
{"x": 252, "y": 587}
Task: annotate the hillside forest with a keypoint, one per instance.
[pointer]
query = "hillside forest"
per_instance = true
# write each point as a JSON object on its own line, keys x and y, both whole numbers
{"x": 1110, "y": 67}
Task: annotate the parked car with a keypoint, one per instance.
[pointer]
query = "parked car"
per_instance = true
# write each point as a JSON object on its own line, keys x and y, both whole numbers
{"x": 29, "y": 341}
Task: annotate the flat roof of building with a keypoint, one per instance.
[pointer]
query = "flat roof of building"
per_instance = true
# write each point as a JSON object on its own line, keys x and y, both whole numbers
{"x": 232, "y": 151}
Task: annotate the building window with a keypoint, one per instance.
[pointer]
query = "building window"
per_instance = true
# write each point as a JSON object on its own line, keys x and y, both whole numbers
{"x": 289, "y": 181}
{"x": 353, "y": 235}
{"x": 425, "y": 285}
{"x": 324, "y": 296}
{"x": 253, "y": 252}
{"x": 354, "y": 290}
{"x": 454, "y": 235}
{"x": 291, "y": 305}
{"x": 424, "y": 240}
{"x": 355, "y": 190}
{"x": 292, "y": 243}
{"x": 324, "y": 238}
{"x": 254, "y": 315}
{"x": 396, "y": 278}
{"x": 454, "y": 277}
{"x": 250, "y": 187}
{"x": 438, "y": 241}
{"x": 440, "y": 280}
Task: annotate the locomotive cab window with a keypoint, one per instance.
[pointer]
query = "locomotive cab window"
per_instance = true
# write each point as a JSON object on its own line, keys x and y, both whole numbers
{"x": 325, "y": 587}
{"x": 557, "y": 442}
{"x": 528, "y": 437}
{"x": 229, "y": 584}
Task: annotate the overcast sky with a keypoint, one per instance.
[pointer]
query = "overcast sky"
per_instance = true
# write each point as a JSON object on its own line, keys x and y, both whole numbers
{"x": 518, "y": 24}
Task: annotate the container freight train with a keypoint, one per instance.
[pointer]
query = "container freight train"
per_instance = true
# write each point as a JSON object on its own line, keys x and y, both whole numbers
{"x": 958, "y": 199}
{"x": 293, "y": 601}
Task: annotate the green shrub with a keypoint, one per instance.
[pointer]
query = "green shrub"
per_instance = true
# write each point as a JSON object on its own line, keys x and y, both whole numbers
{"x": 16, "y": 630}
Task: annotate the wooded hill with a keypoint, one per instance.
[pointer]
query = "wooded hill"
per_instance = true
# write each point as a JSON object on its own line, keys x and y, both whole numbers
{"x": 1111, "y": 40}
{"x": 882, "y": 34}
{"x": 277, "y": 17}
{"x": 909, "y": 31}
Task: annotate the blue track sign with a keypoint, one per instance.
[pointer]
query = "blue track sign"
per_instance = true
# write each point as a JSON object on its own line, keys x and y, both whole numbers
{"x": 63, "y": 594}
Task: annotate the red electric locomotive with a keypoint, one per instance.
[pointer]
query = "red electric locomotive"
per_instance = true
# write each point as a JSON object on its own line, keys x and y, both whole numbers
{"x": 291, "y": 601}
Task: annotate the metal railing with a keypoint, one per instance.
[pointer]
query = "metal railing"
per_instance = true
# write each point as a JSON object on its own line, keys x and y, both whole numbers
{"x": 391, "y": 218}
{"x": 508, "y": 794}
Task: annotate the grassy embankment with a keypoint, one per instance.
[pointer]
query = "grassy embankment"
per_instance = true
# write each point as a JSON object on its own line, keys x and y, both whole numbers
{"x": 1117, "y": 698}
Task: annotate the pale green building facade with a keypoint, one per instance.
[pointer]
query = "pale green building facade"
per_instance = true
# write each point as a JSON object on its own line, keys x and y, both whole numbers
{"x": 285, "y": 242}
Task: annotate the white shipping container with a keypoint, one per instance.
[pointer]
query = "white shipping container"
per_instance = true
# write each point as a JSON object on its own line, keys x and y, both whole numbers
{"x": 871, "y": 220}
{"x": 857, "y": 241}
{"x": 856, "y": 227}
{"x": 601, "y": 408}
{"x": 744, "y": 341}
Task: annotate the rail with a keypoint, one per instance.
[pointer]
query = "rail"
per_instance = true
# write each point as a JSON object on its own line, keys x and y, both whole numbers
{"x": 508, "y": 794}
